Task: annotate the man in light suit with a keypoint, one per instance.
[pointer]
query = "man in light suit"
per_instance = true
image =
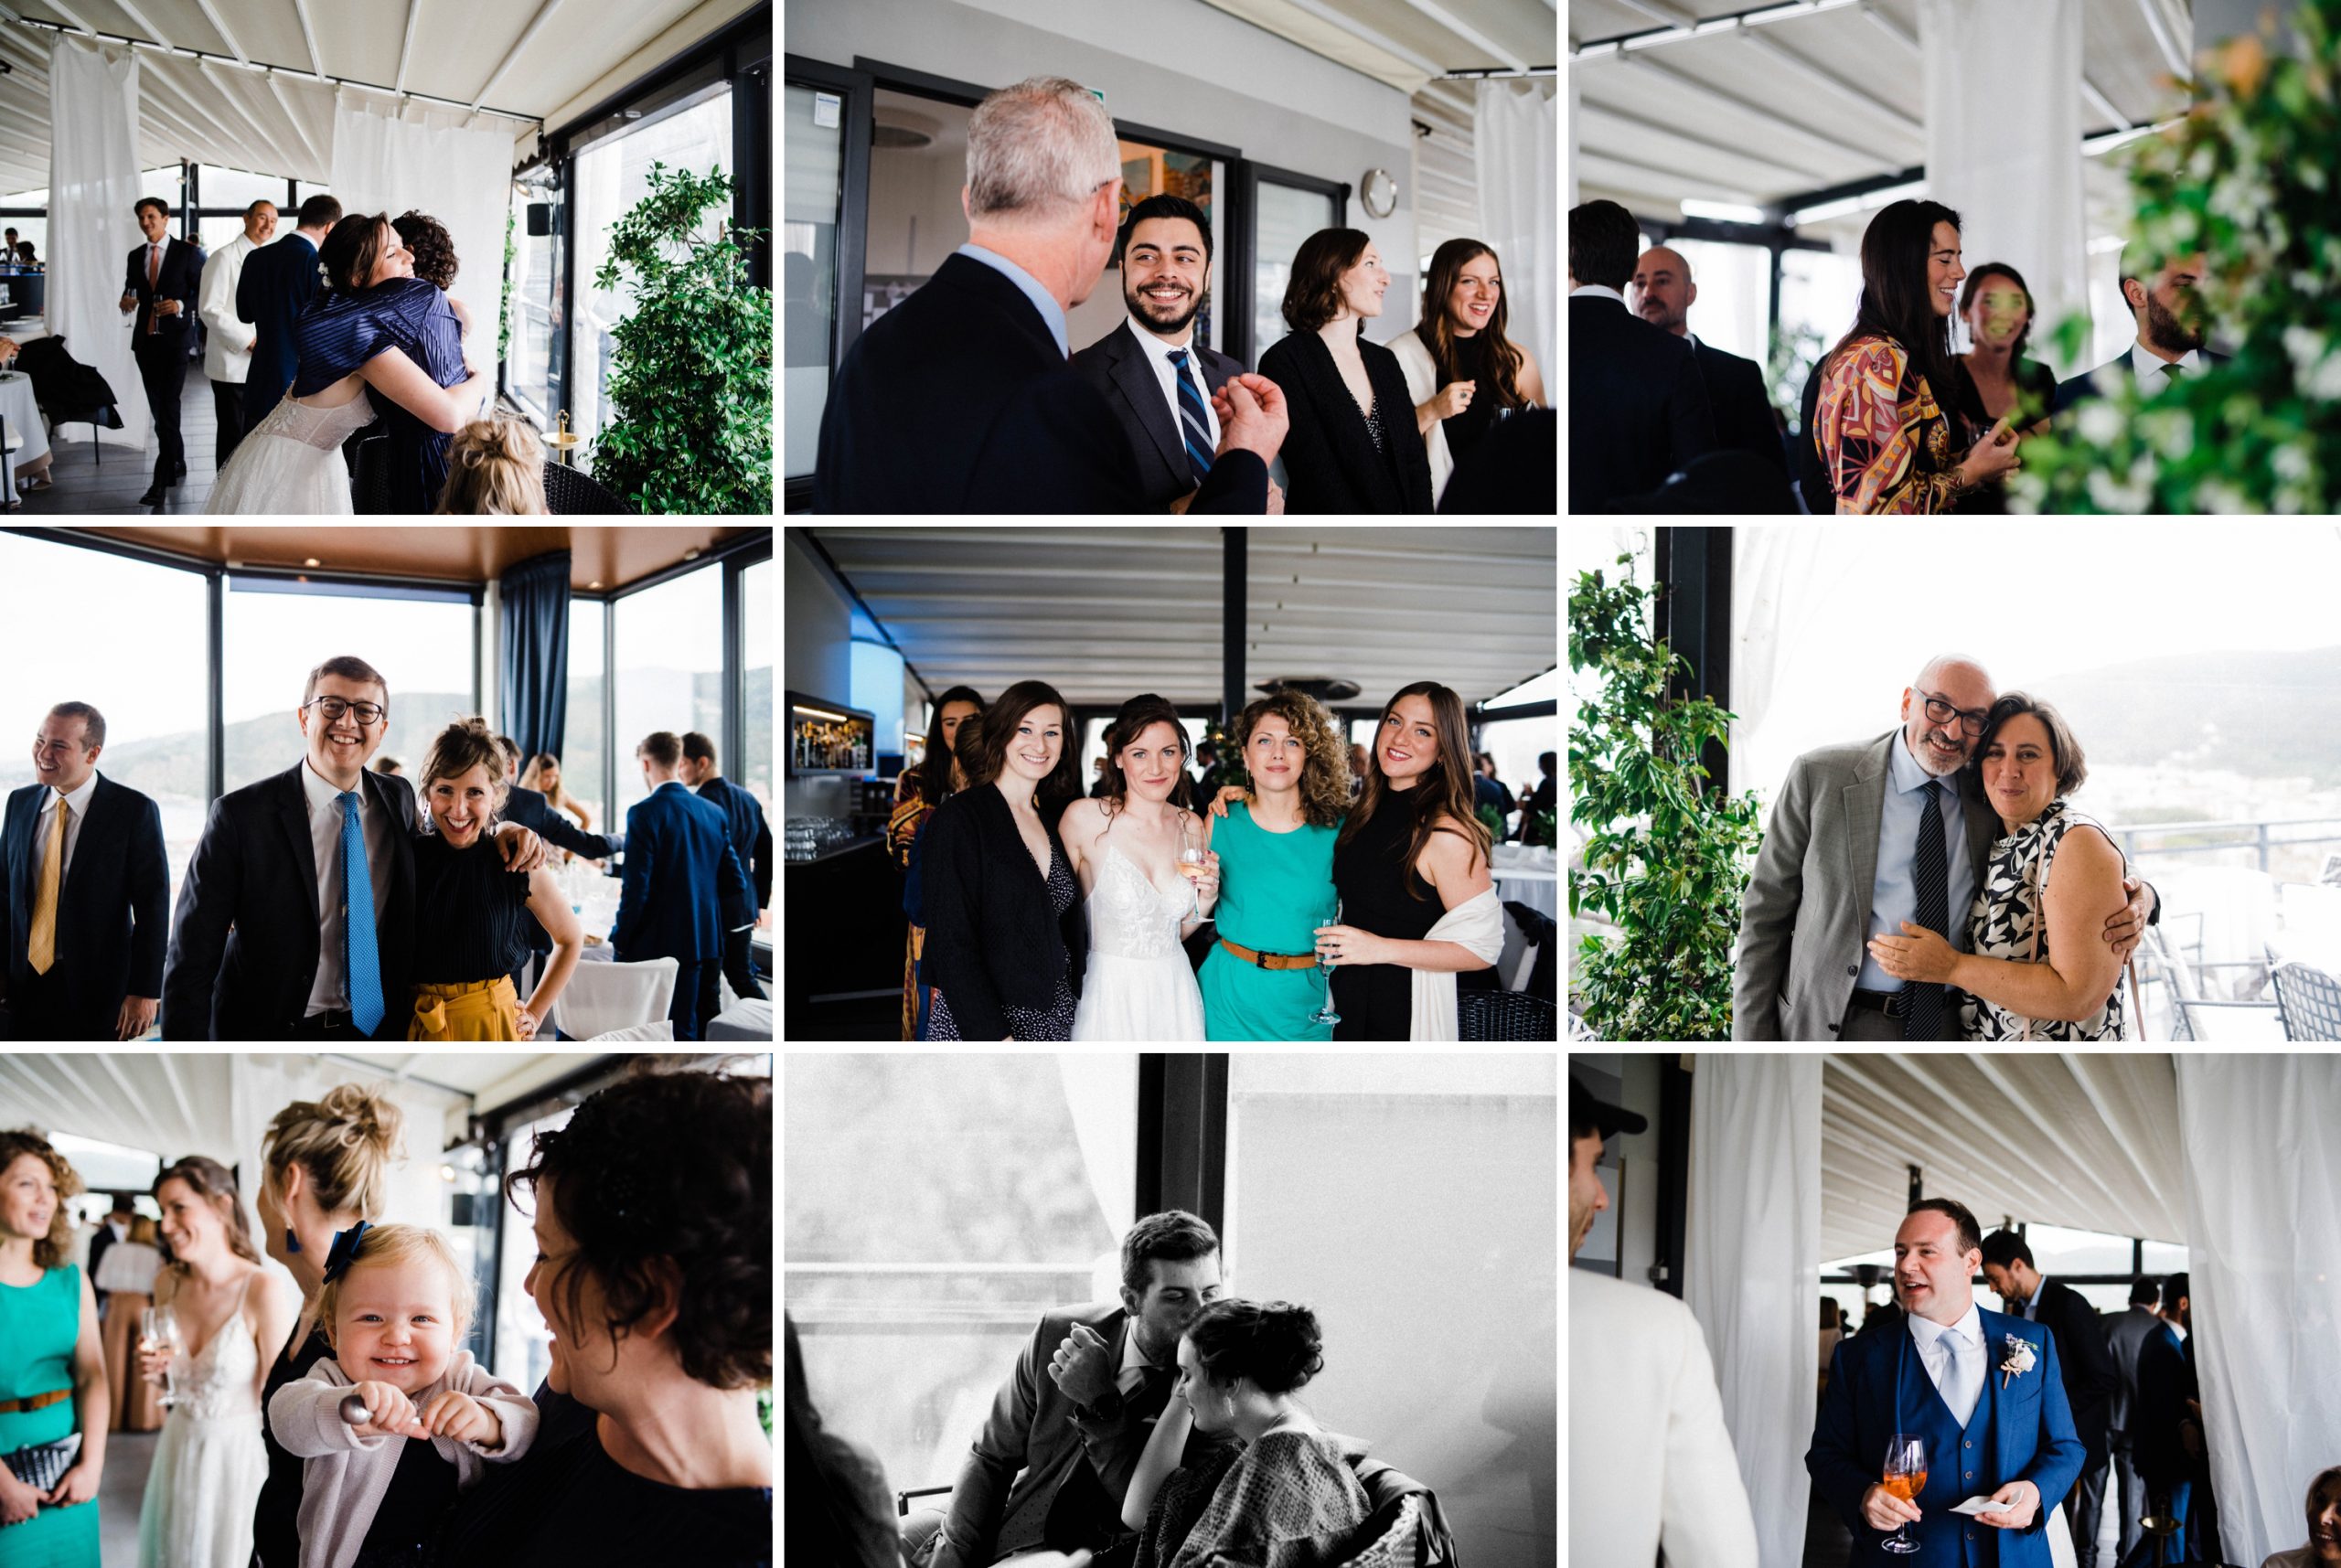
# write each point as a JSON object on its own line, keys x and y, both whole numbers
{"x": 2091, "y": 1379}
{"x": 2169, "y": 345}
{"x": 160, "y": 282}
{"x": 1050, "y": 1468}
{"x": 1651, "y": 1465}
{"x": 684, "y": 887}
{"x": 1155, "y": 369}
{"x": 1984, "y": 1392}
{"x": 228, "y": 342}
{"x": 85, "y": 892}
{"x": 1851, "y": 852}
{"x": 2125, "y": 1337}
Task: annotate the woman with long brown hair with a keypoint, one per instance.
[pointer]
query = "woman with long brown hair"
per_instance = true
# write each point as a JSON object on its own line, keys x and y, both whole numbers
{"x": 1460, "y": 366}
{"x": 1418, "y": 904}
{"x": 938, "y": 776}
{"x": 53, "y": 1385}
{"x": 544, "y": 775}
{"x": 1147, "y": 881}
{"x": 1006, "y": 941}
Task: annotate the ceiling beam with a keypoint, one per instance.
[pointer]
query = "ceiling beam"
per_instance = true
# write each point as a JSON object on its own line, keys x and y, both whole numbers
{"x": 285, "y": 101}
{"x": 2084, "y": 1070}
{"x": 309, "y": 36}
{"x": 130, "y": 10}
{"x": 1829, "y": 81}
{"x": 1469, "y": 34}
{"x": 536, "y": 24}
{"x": 268, "y": 146}
{"x": 228, "y": 140}
{"x": 2056, "y": 1137}
{"x": 406, "y": 45}
{"x": 1659, "y": 128}
{"x": 220, "y": 25}
{"x": 106, "y": 1059}
{"x": 2021, "y": 1154}
{"x": 66, "y": 12}
{"x": 1366, "y": 34}
{"x": 178, "y": 1092}
{"x": 2105, "y": 105}
{"x": 1664, "y": 11}
{"x": 1832, "y": 144}
{"x": 2156, "y": 23}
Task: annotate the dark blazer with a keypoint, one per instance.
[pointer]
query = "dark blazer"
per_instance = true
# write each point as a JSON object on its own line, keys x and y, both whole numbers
{"x": 2072, "y": 391}
{"x": 2167, "y": 1381}
{"x": 527, "y": 807}
{"x": 1116, "y": 364}
{"x": 1742, "y": 408}
{"x": 2125, "y": 1337}
{"x": 2091, "y": 1381}
{"x": 751, "y": 835}
{"x": 1329, "y": 463}
{"x": 277, "y": 280}
{"x": 181, "y": 276}
{"x": 680, "y": 879}
{"x": 244, "y": 941}
{"x": 957, "y": 401}
{"x": 1638, "y": 405}
{"x": 991, "y": 938}
{"x": 111, "y": 908}
{"x": 98, "y": 1245}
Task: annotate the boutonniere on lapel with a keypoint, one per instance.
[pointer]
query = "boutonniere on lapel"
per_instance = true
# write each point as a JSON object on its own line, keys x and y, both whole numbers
{"x": 2018, "y": 1361}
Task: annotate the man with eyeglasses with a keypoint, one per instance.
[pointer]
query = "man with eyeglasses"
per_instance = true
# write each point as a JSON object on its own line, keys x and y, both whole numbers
{"x": 1862, "y": 838}
{"x": 296, "y": 919}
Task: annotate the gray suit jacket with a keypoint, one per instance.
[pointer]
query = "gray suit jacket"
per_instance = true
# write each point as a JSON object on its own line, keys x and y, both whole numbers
{"x": 1806, "y": 918}
{"x": 1116, "y": 367}
{"x": 2126, "y": 1335}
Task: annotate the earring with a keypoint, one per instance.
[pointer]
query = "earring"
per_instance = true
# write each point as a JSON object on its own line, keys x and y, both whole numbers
{"x": 292, "y": 1241}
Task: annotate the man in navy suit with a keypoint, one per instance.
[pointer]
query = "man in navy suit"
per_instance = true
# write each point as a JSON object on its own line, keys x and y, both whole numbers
{"x": 160, "y": 282}
{"x": 683, "y": 885}
{"x": 1663, "y": 295}
{"x": 88, "y": 889}
{"x": 2167, "y": 1425}
{"x": 1638, "y": 405}
{"x": 2169, "y": 345}
{"x": 278, "y": 280}
{"x": 1155, "y": 369}
{"x": 751, "y": 840}
{"x": 1985, "y": 1394}
{"x": 959, "y": 398}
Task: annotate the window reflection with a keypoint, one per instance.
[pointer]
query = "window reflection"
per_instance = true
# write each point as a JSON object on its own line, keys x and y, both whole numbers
{"x": 669, "y": 669}
{"x": 582, "y": 745}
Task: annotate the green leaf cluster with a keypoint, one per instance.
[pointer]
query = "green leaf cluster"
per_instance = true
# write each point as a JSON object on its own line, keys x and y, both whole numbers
{"x": 2247, "y": 178}
{"x": 504, "y": 316}
{"x": 1668, "y": 852}
{"x": 690, "y": 367}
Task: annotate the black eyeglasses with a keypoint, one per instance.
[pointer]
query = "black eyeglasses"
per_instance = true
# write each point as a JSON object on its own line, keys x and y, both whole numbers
{"x": 1970, "y": 720}
{"x": 337, "y": 707}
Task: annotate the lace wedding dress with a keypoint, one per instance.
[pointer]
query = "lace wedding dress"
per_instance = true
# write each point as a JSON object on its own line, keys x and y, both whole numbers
{"x": 210, "y": 1461}
{"x": 290, "y": 463}
{"x": 1138, "y": 984}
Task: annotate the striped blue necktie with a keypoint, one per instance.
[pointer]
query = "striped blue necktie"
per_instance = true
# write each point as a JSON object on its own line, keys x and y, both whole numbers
{"x": 359, "y": 961}
{"x": 1194, "y": 429}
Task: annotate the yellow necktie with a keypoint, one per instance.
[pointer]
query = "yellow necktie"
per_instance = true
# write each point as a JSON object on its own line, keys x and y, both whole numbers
{"x": 42, "y": 949}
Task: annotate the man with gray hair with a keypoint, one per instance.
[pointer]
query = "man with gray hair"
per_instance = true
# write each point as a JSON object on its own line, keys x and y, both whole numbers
{"x": 1864, "y": 837}
{"x": 960, "y": 399}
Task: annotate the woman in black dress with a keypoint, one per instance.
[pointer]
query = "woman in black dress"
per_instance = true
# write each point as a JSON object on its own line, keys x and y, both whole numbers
{"x": 1477, "y": 370}
{"x": 1410, "y": 851}
{"x": 1998, "y": 380}
{"x": 1352, "y": 446}
{"x": 1005, "y": 937}
{"x": 323, "y": 1166}
{"x": 653, "y": 1240}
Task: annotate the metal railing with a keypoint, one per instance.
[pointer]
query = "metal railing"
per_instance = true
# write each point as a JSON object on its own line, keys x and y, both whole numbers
{"x": 2259, "y": 839}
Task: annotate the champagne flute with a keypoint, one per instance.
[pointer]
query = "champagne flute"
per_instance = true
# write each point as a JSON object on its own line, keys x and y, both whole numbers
{"x": 1904, "y": 1478}
{"x": 1190, "y": 861}
{"x": 1325, "y": 1013}
{"x": 158, "y": 1330}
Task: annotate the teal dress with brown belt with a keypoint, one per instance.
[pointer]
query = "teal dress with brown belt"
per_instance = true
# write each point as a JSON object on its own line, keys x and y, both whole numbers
{"x": 39, "y": 1325}
{"x": 1274, "y": 891}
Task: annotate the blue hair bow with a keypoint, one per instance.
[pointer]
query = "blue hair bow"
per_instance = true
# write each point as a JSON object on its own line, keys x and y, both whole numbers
{"x": 345, "y": 1250}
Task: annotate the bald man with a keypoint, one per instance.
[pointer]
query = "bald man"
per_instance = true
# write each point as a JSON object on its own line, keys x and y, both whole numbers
{"x": 1663, "y": 295}
{"x": 1864, "y": 837}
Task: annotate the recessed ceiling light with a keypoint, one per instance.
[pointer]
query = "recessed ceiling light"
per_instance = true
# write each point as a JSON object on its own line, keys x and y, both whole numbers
{"x": 595, "y": 584}
{"x": 313, "y": 561}
{"x": 690, "y": 555}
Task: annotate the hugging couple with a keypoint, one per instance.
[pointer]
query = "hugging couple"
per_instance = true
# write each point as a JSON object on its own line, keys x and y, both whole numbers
{"x": 1904, "y": 891}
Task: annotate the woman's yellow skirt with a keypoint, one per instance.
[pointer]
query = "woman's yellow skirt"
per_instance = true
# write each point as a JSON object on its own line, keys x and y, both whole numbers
{"x": 476, "y": 1009}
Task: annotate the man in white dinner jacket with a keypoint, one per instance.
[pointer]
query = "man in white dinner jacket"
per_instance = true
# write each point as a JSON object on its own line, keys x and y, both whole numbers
{"x": 1651, "y": 1466}
{"x": 227, "y": 341}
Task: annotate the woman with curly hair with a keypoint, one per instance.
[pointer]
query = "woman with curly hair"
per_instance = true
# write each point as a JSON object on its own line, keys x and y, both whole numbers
{"x": 53, "y": 1390}
{"x": 654, "y": 1233}
{"x": 419, "y": 464}
{"x": 1275, "y": 850}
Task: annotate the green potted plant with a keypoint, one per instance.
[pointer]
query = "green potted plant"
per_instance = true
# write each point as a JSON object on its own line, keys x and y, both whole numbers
{"x": 1668, "y": 852}
{"x": 690, "y": 373}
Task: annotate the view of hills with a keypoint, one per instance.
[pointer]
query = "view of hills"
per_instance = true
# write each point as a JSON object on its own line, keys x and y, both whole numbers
{"x": 2266, "y": 715}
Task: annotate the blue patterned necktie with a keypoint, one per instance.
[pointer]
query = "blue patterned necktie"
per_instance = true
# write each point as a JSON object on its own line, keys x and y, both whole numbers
{"x": 358, "y": 958}
{"x": 1924, "y": 1019}
{"x": 1194, "y": 429}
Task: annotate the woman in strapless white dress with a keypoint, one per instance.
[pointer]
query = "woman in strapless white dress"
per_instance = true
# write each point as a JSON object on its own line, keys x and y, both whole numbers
{"x": 1125, "y": 848}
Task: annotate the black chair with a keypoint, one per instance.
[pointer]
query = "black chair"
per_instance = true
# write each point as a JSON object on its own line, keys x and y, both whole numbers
{"x": 1506, "y": 1015}
{"x": 1538, "y": 928}
{"x": 570, "y": 494}
{"x": 902, "y": 1499}
{"x": 367, "y": 453}
{"x": 72, "y": 392}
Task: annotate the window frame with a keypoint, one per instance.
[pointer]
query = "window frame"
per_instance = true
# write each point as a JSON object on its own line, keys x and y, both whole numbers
{"x": 1247, "y": 177}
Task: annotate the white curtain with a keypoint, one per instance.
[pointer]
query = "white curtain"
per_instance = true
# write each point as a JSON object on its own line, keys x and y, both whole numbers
{"x": 463, "y": 179}
{"x": 1573, "y": 138}
{"x": 262, "y": 1085}
{"x": 2013, "y": 174}
{"x": 2262, "y": 1155}
{"x": 93, "y": 187}
{"x": 1774, "y": 573}
{"x": 1514, "y": 138}
{"x": 1751, "y": 1270}
{"x": 1101, "y": 1095}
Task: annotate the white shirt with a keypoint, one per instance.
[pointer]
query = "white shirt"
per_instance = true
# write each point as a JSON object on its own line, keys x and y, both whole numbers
{"x": 2148, "y": 365}
{"x": 2032, "y": 1302}
{"x": 77, "y": 807}
{"x": 1158, "y": 353}
{"x": 1132, "y": 1375}
{"x": 1953, "y": 1357}
{"x": 330, "y": 991}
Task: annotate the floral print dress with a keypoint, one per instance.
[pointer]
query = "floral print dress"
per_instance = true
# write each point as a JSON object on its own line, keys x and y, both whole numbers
{"x": 2009, "y": 908}
{"x": 1885, "y": 442}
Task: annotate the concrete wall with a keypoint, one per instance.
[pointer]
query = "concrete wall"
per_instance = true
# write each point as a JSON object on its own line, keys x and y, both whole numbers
{"x": 1177, "y": 65}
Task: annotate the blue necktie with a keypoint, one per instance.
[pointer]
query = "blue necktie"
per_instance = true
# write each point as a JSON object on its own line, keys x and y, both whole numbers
{"x": 1194, "y": 427}
{"x": 358, "y": 923}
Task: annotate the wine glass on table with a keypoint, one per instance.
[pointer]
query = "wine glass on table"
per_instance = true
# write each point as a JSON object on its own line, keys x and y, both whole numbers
{"x": 1904, "y": 1478}
{"x": 1325, "y": 1014}
{"x": 158, "y": 1333}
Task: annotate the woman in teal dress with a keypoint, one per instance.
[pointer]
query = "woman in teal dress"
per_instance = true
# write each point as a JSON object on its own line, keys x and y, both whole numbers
{"x": 52, "y": 1371}
{"x": 1276, "y": 870}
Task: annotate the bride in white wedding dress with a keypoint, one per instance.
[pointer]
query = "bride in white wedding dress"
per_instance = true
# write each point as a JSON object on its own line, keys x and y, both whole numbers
{"x": 1125, "y": 847}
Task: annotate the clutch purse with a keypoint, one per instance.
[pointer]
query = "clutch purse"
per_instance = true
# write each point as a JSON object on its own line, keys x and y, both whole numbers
{"x": 41, "y": 1465}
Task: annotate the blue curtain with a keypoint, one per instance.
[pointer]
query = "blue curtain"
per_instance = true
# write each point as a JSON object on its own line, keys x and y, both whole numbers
{"x": 535, "y": 653}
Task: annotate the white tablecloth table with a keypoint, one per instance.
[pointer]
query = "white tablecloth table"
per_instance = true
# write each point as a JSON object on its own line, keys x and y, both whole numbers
{"x": 22, "y": 414}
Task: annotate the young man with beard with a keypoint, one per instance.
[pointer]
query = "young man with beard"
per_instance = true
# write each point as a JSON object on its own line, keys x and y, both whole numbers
{"x": 1862, "y": 838}
{"x": 1050, "y": 1466}
{"x": 1154, "y": 370}
{"x": 2170, "y": 334}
